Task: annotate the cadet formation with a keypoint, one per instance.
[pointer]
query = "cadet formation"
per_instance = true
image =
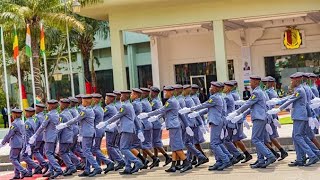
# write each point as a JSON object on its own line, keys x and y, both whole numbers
{"x": 69, "y": 132}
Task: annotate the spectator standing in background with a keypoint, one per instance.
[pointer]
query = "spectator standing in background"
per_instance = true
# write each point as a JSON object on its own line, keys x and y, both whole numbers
{"x": 246, "y": 93}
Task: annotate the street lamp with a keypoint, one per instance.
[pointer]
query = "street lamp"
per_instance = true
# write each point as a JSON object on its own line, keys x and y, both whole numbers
{"x": 76, "y": 6}
{"x": 57, "y": 76}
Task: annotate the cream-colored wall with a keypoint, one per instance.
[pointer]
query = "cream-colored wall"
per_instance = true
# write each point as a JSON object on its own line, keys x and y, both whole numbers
{"x": 199, "y": 47}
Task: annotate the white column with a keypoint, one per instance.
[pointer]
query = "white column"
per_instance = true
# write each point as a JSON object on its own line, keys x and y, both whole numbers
{"x": 155, "y": 61}
{"x": 220, "y": 51}
{"x": 133, "y": 70}
{"x": 80, "y": 74}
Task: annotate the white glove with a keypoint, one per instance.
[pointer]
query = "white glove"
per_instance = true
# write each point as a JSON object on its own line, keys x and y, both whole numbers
{"x": 189, "y": 131}
{"x": 202, "y": 129}
{"x": 246, "y": 124}
{"x": 276, "y": 123}
{"x": 57, "y": 148}
{"x": 184, "y": 110}
{"x": 28, "y": 150}
{"x": 226, "y": 134}
{"x": 272, "y": 102}
{"x": 153, "y": 118}
{"x": 101, "y": 125}
{"x": 143, "y": 115}
{"x": 1, "y": 145}
{"x": 311, "y": 123}
{"x": 269, "y": 129}
{"x": 61, "y": 126}
{"x": 94, "y": 142}
{"x": 112, "y": 125}
{"x": 237, "y": 118}
{"x": 194, "y": 114}
{"x": 79, "y": 138}
{"x": 315, "y": 100}
{"x": 231, "y": 115}
{"x": 163, "y": 125}
{"x": 315, "y": 105}
{"x": 222, "y": 134}
{"x": 239, "y": 102}
{"x": 273, "y": 111}
{"x": 316, "y": 123}
{"x": 234, "y": 132}
{"x": 141, "y": 136}
{"x": 207, "y": 128}
{"x": 32, "y": 139}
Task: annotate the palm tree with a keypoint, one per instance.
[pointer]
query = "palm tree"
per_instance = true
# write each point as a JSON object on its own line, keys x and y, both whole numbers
{"x": 32, "y": 12}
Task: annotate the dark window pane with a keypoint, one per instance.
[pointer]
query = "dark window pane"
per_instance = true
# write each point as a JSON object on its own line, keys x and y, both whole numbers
{"x": 145, "y": 75}
{"x": 104, "y": 81}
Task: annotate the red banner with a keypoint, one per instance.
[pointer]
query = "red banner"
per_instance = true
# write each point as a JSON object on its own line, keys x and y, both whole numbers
{"x": 88, "y": 88}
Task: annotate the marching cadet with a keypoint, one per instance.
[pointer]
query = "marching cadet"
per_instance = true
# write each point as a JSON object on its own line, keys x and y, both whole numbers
{"x": 214, "y": 107}
{"x": 138, "y": 136}
{"x": 98, "y": 111}
{"x": 257, "y": 104}
{"x": 87, "y": 131}
{"x": 76, "y": 146}
{"x": 118, "y": 103}
{"x": 273, "y": 94}
{"x": 239, "y": 135}
{"x": 157, "y": 144}
{"x": 80, "y": 106}
{"x": 39, "y": 144}
{"x": 111, "y": 133}
{"x": 30, "y": 126}
{"x": 48, "y": 127}
{"x": 125, "y": 118}
{"x": 147, "y": 129}
{"x": 192, "y": 123}
{"x": 170, "y": 111}
{"x": 15, "y": 138}
{"x": 231, "y": 127}
{"x": 300, "y": 118}
{"x": 65, "y": 137}
{"x": 201, "y": 122}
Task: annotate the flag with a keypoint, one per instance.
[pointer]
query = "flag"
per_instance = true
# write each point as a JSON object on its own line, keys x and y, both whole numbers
{"x": 42, "y": 45}
{"x": 28, "y": 42}
{"x": 15, "y": 45}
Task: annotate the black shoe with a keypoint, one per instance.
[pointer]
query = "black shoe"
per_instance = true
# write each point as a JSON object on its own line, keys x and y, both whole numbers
{"x": 257, "y": 165}
{"x": 312, "y": 161}
{"x": 38, "y": 170}
{"x": 48, "y": 174}
{"x": 247, "y": 158}
{"x": 95, "y": 172}
{"x": 145, "y": 166}
{"x": 110, "y": 167}
{"x": 238, "y": 159}
{"x": 84, "y": 174}
{"x": 171, "y": 169}
{"x": 224, "y": 166}
{"x": 296, "y": 163}
{"x": 179, "y": 167}
{"x": 194, "y": 160}
{"x": 66, "y": 170}
{"x": 73, "y": 171}
{"x": 155, "y": 163}
{"x": 26, "y": 174}
{"x": 283, "y": 155}
{"x": 15, "y": 177}
{"x": 67, "y": 173}
{"x": 256, "y": 162}
{"x": 168, "y": 161}
{"x": 80, "y": 167}
{"x": 137, "y": 167}
{"x": 268, "y": 162}
{"x": 56, "y": 174}
{"x": 277, "y": 155}
{"x": 45, "y": 169}
{"x": 125, "y": 172}
{"x": 214, "y": 167}
{"x": 119, "y": 166}
{"x": 186, "y": 167}
{"x": 201, "y": 161}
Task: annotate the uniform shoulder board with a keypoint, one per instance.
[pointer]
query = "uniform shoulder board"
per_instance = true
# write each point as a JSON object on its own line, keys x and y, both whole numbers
{"x": 12, "y": 127}
{"x": 121, "y": 109}
{"x": 210, "y": 100}
{"x": 82, "y": 113}
{"x": 253, "y": 96}
{"x": 296, "y": 94}
{"x": 46, "y": 117}
{"x": 167, "y": 104}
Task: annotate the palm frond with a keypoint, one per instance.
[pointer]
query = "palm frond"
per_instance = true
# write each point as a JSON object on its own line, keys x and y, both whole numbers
{"x": 60, "y": 20}
{"x": 89, "y": 2}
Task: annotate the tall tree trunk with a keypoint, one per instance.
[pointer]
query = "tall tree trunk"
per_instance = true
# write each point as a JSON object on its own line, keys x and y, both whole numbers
{"x": 93, "y": 73}
{"x": 85, "y": 44}
{"x": 87, "y": 74}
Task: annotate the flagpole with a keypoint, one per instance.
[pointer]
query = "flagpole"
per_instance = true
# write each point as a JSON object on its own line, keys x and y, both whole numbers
{"x": 5, "y": 78}
{"x": 18, "y": 71}
{"x": 28, "y": 42}
{"x": 45, "y": 67}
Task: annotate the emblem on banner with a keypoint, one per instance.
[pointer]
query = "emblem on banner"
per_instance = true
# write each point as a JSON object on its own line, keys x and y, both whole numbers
{"x": 292, "y": 38}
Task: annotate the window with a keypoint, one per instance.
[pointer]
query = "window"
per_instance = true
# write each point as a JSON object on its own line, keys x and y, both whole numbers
{"x": 62, "y": 89}
{"x": 145, "y": 75}
{"x": 104, "y": 81}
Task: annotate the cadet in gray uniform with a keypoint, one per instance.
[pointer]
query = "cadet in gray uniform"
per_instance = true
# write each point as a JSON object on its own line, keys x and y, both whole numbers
{"x": 111, "y": 133}
{"x": 170, "y": 111}
{"x": 87, "y": 131}
{"x": 257, "y": 104}
{"x": 39, "y": 144}
{"x": 65, "y": 137}
{"x": 50, "y": 137}
{"x": 30, "y": 126}
{"x": 125, "y": 118}
{"x": 157, "y": 144}
{"x": 15, "y": 138}
{"x": 98, "y": 111}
